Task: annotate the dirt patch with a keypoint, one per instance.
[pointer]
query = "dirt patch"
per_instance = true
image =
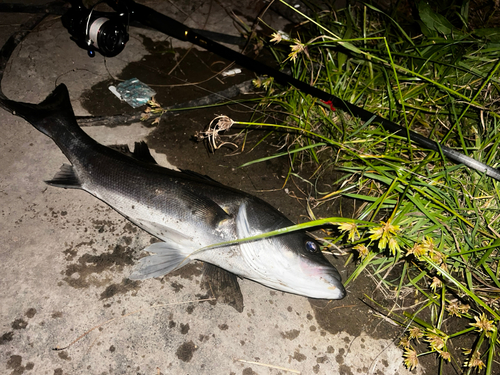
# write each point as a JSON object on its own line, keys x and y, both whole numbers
{"x": 30, "y": 313}
{"x": 83, "y": 273}
{"x": 186, "y": 351}
{"x": 6, "y": 337}
{"x": 125, "y": 286}
{"x": 19, "y": 324}
{"x": 15, "y": 363}
{"x": 290, "y": 335}
{"x": 64, "y": 355}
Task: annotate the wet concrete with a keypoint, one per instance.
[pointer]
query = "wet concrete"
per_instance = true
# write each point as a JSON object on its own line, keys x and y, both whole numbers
{"x": 67, "y": 306}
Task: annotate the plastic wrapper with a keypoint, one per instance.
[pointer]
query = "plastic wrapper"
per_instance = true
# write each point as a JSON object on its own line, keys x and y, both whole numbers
{"x": 134, "y": 92}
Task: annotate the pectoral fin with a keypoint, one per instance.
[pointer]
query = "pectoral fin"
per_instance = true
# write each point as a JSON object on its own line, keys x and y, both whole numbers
{"x": 166, "y": 258}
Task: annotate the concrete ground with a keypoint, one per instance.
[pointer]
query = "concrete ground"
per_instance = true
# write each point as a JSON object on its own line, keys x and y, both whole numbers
{"x": 65, "y": 256}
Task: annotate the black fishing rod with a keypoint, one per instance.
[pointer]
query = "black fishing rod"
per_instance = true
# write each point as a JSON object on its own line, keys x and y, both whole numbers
{"x": 169, "y": 26}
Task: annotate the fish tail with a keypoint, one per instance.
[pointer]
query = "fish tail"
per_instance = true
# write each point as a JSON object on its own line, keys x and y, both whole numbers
{"x": 53, "y": 117}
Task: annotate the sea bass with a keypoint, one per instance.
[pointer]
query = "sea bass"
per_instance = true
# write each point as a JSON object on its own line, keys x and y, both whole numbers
{"x": 185, "y": 210}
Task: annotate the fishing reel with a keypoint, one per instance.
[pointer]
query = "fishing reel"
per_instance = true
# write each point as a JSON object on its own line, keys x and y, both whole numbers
{"x": 104, "y": 32}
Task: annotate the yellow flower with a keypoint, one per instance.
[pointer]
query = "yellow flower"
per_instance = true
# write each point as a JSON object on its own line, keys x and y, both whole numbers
{"x": 464, "y": 309}
{"x": 277, "y": 37}
{"x": 393, "y": 245}
{"x": 267, "y": 82}
{"x": 444, "y": 266}
{"x": 428, "y": 243}
{"x": 259, "y": 82}
{"x": 436, "y": 256}
{"x": 435, "y": 340}
{"x": 457, "y": 309}
{"x": 404, "y": 342}
{"x": 445, "y": 355}
{"x": 362, "y": 250}
{"x": 418, "y": 250}
{"x": 411, "y": 358}
{"x": 352, "y": 228}
{"x": 377, "y": 233}
{"x": 416, "y": 333}
{"x": 453, "y": 309}
{"x": 483, "y": 324}
{"x": 153, "y": 103}
{"x": 384, "y": 233}
{"x": 436, "y": 283}
{"x": 296, "y": 48}
{"x": 475, "y": 361}
{"x": 280, "y": 36}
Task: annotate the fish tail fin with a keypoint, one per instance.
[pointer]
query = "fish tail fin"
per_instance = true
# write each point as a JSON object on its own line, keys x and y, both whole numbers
{"x": 54, "y": 117}
{"x": 166, "y": 258}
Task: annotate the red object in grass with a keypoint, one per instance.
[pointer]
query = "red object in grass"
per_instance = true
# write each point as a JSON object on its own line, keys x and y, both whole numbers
{"x": 329, "y": 102}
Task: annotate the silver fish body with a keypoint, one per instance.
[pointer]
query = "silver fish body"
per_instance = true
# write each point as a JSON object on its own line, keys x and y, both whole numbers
{"x": 184, "y": 210}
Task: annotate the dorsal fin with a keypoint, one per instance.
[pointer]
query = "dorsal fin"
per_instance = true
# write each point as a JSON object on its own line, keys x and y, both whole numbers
{"x": 142, "y": 153}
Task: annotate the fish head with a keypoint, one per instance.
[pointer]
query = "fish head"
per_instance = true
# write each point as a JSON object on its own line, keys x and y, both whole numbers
{"x": 291, "y": 262}
{"x": 304, "y": 268}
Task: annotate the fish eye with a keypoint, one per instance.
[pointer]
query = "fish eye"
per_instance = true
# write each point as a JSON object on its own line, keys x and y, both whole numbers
{"x": 312, "y": 247}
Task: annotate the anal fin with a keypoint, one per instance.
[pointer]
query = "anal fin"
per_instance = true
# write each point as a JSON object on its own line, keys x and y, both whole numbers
{"x": 223, "y": 285}
{"x": 65, "y": 178}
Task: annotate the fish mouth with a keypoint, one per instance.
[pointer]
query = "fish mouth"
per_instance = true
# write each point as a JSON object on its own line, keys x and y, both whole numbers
{"x": 335, "y": 285}
{"x": 333, "y": 278}
{"x": 325, "y": 287}
{"x": 339, "y": 291}
{"x": 325, "y": 282}
{"x": 336, "y": 275}
{"x": 331, "y": 292}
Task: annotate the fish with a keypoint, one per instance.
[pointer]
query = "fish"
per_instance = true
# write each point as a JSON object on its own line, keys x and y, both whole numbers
{"x": 189, "y": 213}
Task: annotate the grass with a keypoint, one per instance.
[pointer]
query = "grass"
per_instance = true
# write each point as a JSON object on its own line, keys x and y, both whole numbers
{"x": 435, "y": 222}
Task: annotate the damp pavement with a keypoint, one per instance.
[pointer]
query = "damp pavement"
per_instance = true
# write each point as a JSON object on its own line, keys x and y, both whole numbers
{"x": 65, "y": 256}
